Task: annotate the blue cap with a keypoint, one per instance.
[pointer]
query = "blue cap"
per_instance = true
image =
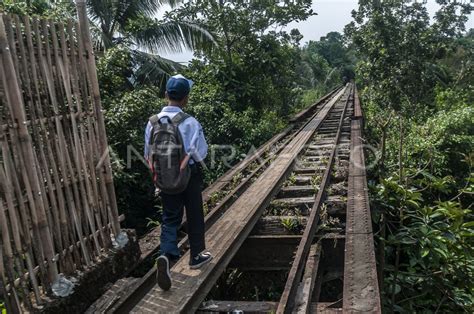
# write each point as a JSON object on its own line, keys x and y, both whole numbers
{"x": 178, "y": 86}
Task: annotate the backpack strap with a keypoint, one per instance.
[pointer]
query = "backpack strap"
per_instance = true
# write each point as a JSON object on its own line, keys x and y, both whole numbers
{"x": 180, "y": 117}
{"x": 154, "y": 121}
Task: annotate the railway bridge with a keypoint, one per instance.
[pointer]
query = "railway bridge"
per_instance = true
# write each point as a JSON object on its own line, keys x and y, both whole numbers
{"x": 298, "y": 212}
{"x": 292, "y": 220}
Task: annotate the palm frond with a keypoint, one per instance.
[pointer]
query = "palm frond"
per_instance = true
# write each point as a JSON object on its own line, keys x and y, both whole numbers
{"x": 153, "y": 69}
{"x": 101, "y": 10}
{"x": 170, "y": 37}
{"x": 195, "y": 36}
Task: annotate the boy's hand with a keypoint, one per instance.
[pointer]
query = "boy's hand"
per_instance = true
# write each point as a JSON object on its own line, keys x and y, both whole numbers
{"x": 184, "y": 162}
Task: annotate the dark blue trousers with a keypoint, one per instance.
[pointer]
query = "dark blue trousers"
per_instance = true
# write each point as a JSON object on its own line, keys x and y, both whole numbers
{"x": 173, "y": 208}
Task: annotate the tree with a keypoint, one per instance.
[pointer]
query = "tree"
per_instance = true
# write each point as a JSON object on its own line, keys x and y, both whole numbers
{"x": 410, "y": 68}
{"x": 330, "y": 60}
{"x": 399, "y": 49}
{"x": 252, "y": 61}
{"x": 131, "y": 24}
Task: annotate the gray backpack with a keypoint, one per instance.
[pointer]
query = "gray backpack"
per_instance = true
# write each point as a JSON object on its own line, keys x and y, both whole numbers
{"x": 166, "y": 154}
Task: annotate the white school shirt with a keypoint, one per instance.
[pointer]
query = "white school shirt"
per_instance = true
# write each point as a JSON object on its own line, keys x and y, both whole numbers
{"x": 191, "y": 131}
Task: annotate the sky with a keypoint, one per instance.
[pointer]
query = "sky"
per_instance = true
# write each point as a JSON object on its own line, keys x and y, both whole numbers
{"x": 333, "y": 15}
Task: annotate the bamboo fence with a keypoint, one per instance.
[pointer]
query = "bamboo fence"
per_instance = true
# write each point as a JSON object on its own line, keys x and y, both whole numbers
{"x": 57, "y": 200}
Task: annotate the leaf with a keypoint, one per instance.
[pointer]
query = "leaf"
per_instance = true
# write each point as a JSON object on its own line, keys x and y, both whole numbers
{"x": 441, "y": 252}
{"x": 397, "y": 289}
{"x": 468, "y": 224}
{"x": 425, "y": 252}
{"x": 413, "y": 203}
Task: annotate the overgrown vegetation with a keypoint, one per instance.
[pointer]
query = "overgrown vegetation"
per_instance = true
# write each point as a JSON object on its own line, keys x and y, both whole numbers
{"x": 416, "y": 86}
{"x": 248, "y": 77}
{"x": 247, "y": 83}
{"x": 415, "y": 79}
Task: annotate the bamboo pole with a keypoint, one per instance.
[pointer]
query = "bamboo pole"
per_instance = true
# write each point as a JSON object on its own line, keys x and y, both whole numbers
{"x": 42, "y": 145}
{"x": 48, "y": 138}
{"x": 26, "y": 239}
{"x": 78, "y": 154}
{"x": 56, "y": 179}
{"x": 91, "y": 69}
{"x": 92, "y": 132}
{"x": 21, "y": 246}
{"x": 13, "y": 93}
{"x": 47, "y": 124}
{"x": 14, "y": 224}
{"x": 29, "y": 122}
{"x": 77, "y": 244}
{"x": 63, "y": 157}
{"x": 20, "y": 164}
{"x": 79, "y": 136}
{"x": 8, "y": 251}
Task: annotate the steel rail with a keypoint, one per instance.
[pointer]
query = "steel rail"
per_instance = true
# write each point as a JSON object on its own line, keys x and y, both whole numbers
{"x": 148, "y": 280}
{"x": 361, "y": 292}
{"x": 226, "y": 178}
{"x": 222, "y": 183}
{"x": 286, "y": 303}
{"x": 202, "y": 286}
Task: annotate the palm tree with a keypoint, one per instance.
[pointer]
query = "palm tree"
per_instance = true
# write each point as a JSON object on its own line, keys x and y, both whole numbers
{"x": 133, "y": 23}
{"x": 130, "y": 23}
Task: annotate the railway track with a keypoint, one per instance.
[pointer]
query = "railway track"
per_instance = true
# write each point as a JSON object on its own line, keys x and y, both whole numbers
{"x": 292, "y": 211}
{"x": 218, "y": 196}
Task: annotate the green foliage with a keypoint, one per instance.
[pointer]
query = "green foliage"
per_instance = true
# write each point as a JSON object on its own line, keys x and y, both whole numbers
{"x": 3, "y": 309}
{"x": 127, "y": 110}
{"x": 60, "y": 10}
{"x": 126, "y": 116}
{"x": 291, "y": 224}
{"x": 253, "y": 65}
{"x": 114, "y": 70}
{"x": 416, "y": 87}
{"x": 329, "y": 60}
{"x": 308, "y": 97}
{"x": 428, "y": 212}
{"x": 399, "y": 47}
{"x": 444, "y": 139}
{"x": 435, "y": 242}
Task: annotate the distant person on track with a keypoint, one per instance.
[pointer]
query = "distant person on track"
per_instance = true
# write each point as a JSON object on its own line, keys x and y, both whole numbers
{"x": 175, "y": 148}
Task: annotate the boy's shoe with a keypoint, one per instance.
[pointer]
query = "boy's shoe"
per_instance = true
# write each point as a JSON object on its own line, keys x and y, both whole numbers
{"x": 163, "y": 272}
{"x": 200, "y": 260}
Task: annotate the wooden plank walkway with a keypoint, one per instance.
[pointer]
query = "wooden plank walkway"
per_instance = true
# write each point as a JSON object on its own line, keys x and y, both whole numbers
{"x": 226, "y": 236}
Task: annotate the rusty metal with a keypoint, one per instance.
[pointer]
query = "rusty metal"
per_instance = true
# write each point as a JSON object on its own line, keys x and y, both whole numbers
{"x": 361, "y": 290}
{"x": 286, "y": 303}
{"x": 223, "y": 183}
{"x": 358, "y": 244}
{"x": 147, "y": 282}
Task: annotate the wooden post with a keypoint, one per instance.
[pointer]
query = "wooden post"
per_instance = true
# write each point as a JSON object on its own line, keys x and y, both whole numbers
{"x": 91, "y": 69}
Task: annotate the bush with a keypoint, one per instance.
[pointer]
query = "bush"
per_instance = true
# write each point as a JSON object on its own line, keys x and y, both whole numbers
{"x": 436, "y": 250}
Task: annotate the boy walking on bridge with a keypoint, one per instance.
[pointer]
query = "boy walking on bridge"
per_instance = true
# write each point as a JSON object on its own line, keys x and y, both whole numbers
{"x": 175, "y": 147}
